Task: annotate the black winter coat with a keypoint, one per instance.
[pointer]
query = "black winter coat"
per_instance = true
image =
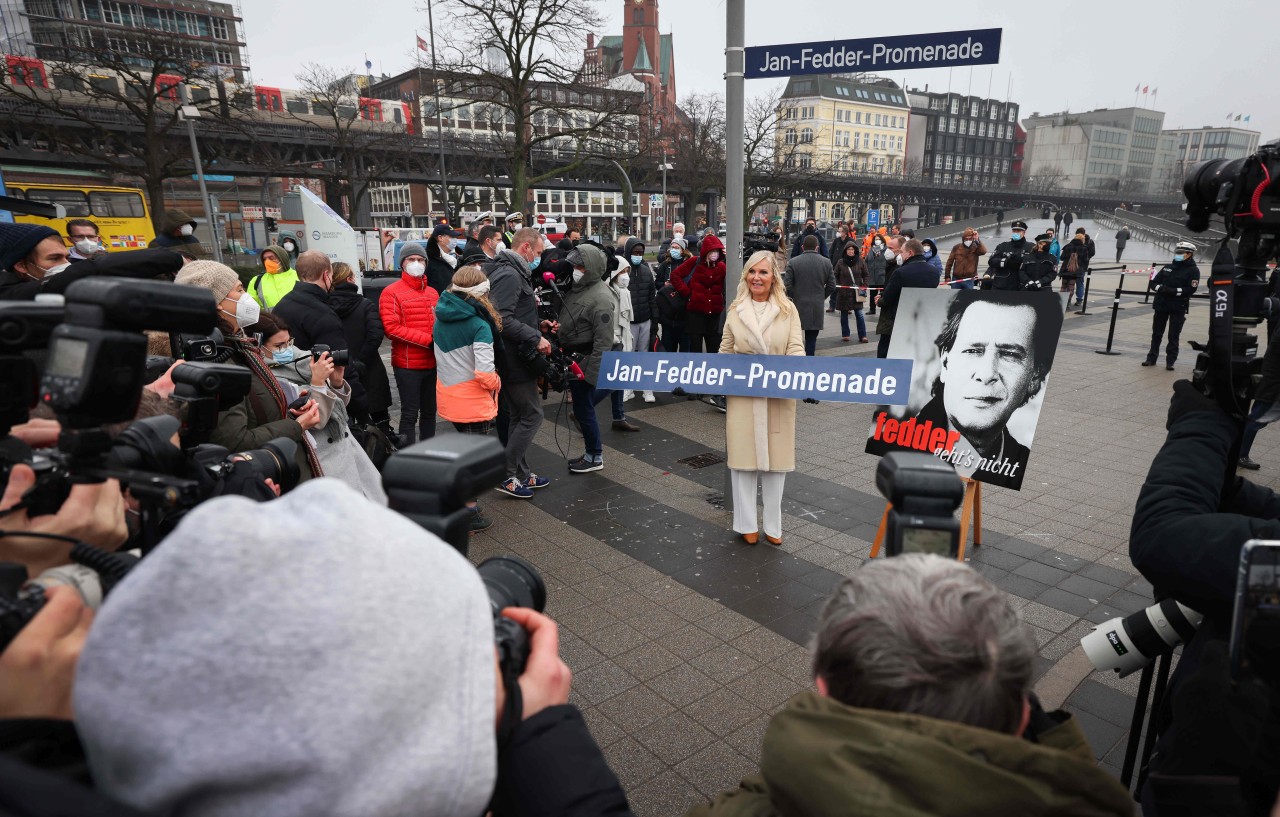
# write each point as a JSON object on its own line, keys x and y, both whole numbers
{"x": 1173, "y": 286}
{"x": 1038, "y": 270}
{"x": 132, "y": 264}
{"x": 644, "y": 293}
{"x": 439, "y": 274}
{"x": 552, "y": 767}
{"x": 1078, "y": 250}
{"x": 312, "y": 320}
{"x": 511, "y": 293}
{"x": 361, "y": 324}
{"x": 796, "y": 247}
{"x": 1005, "y": 265}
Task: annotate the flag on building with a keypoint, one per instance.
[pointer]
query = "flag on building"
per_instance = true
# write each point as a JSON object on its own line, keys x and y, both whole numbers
{"x": 1238, "y": 117}
{"x": 1246, "y": 119}
{"x": 1228, "y": 117}
{"x": 1144, "y": 88}
{"x": 1137, "y": 87}
{"x": 422, "y": 44}
{"x": 1155, "y": 91}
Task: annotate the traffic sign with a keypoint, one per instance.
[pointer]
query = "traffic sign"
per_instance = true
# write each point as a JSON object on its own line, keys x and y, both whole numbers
{"x": 901, "y": 53}
{"x": 873, "y": 219}
{"x": 542, "y": 219}
{"x": 273, "y": 212}
{"x": 250, "y": 213}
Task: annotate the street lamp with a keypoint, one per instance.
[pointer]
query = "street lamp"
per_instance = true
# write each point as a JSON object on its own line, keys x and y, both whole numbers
{"x": 189, "y": 113}
{"x": 664, "y": 167}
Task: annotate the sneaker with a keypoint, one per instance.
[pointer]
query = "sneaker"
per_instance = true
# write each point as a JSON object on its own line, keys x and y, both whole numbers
{"x": 1148, "y": 363}
{"x": 719, "y": 404}
{"x": 649, "y": 398}
{"x": 678, "y": 392}
{"x": 628, "y": 395}
{"x": 625, "y": 425}
{"x": 811, "y": 400}
{"x": 1169, "y": 367}
{"x": 478, "y": 522}
{"x": 514, "y": 488}
{"x": 534, "y": 482}
{"x": 582, "y": 465}
{"x": 1248, "y": 464}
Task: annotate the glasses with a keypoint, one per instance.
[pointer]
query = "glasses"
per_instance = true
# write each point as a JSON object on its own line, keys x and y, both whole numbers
{"x": 279, "y": 347}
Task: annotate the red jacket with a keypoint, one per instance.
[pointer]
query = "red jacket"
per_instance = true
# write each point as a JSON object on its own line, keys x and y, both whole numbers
{"x": 408, "y": 310}
{"x": 705, "y": 288}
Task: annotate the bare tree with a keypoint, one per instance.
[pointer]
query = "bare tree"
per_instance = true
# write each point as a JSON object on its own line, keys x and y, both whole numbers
{"x": 117, "y": 103}
{"x": 698, "y": 155}
{"x": 1046, "y": 177}
{"x": 780, "y": 162}
{"x": 519, "y": 65}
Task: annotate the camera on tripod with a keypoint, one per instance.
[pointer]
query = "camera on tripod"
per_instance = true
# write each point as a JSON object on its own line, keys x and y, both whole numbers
{"x": 755, "y": 242}
{"x": 923, "y": 493}
{"x": 1245, "y": 194}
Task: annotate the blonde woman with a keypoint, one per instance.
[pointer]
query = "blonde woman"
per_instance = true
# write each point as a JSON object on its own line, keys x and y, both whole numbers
{"x": 761, "y": 430}
{"x": 467, "y": 331}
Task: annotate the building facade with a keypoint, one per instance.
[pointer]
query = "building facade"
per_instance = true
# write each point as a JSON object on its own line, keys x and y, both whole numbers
{"x": 1121, "y": 150}
{"x": 1195, "y": 145}
{"x": 203, "y": 31}
{"x": 964, "y": 140}
{"x": 841, "y": 124}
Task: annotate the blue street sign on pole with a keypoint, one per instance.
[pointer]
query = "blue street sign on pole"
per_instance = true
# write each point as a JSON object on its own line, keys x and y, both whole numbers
{"x": 900, "y": 53}
{"x": 873, "y": 219}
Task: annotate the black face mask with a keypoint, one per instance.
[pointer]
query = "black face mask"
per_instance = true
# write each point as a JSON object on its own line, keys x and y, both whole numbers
{"x": 809, "y": 228}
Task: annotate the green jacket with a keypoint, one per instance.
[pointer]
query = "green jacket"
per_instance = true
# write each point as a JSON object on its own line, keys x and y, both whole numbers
{"x": 824, "y": 759}
{"x": 589, "y": 313}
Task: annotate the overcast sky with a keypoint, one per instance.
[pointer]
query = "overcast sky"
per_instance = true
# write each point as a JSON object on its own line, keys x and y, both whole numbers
{"x": 1079, "y": 55}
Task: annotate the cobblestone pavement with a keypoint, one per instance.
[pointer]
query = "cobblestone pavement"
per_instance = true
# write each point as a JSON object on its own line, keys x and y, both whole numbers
{"x": 683, "y": 642}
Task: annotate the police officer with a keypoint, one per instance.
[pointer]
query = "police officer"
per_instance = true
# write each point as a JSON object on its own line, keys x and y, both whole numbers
{"x": 1040, "y": 266}
{"x": 1004, "y": 268}
{"x": 1173, "y": 286}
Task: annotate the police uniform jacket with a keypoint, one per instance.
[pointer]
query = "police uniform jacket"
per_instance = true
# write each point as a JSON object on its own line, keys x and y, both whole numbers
{"x": 1173, "y": 286}
{"x": 1006, "y": 264}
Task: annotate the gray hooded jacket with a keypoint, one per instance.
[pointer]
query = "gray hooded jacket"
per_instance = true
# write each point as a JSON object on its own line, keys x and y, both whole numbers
{"x": 313, "y": 655}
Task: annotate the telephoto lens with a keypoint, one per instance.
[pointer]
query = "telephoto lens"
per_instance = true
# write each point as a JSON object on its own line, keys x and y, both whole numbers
{"x": 275, "y": 460}
{"x": 1128, "y": 644}
{"x": 512, "y": 582}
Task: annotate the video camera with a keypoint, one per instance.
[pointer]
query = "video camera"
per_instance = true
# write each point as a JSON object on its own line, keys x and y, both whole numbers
{"x": 1245, "y": 194}
{"x": 558, "y": 368}
{"x": 755, "y": 242}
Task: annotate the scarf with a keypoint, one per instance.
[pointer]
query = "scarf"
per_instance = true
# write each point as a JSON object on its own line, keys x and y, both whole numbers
{"x": 249, "y": 357}
{"x": 757, "y": 332}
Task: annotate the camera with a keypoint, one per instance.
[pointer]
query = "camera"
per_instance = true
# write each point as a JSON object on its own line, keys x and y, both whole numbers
{"x": 923, "y": 493}
{"x": 431, "y": 482}
{"x": 340, "y": 357}
{"x": 1243, "y": 192}
{"x": 1128, "y": 644}
{"x": 755, "y": 242}
{"x": 25, "y": 329}
{"x": 512, "y": 582}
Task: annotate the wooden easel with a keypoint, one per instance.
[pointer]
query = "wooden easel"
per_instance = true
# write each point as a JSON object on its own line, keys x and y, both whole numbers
{"x": 970, "y": 513}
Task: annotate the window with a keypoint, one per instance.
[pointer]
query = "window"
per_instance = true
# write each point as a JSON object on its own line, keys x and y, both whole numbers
{"x": 858, "y": 117}
{"x": 877, "y": 120}
{"x": 77, "y": 203}
{"x": 117, "y": 205}
{"x": 790, "y": 137}
{"x": 220, "y": 31}
{"x": 298, "y": 105}
{"x": 806, "y": 136}
{"x": 637, "y": 17}
{"x": 805, "y": 160}
{"x": 947, "y": 162}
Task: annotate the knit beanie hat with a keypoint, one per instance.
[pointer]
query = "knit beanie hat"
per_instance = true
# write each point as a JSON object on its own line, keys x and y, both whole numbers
{"x": 249, "y": 666}
{"x": 411, "y": 248}
{"x": 217, "y": 278}
{"x": 18, "y": 240}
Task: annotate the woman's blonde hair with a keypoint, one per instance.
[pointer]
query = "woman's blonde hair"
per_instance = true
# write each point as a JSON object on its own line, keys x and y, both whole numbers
{"x": 341, "y": 272}
{"x": 469, "y": 276}
{"x": 777, "y": 292}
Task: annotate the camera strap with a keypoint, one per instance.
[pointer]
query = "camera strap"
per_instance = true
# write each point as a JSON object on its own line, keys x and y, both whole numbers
{"x": 513, "y": 709}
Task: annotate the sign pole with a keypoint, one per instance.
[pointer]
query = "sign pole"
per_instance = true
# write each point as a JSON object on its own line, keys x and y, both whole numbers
{"x": 735, "y": 106}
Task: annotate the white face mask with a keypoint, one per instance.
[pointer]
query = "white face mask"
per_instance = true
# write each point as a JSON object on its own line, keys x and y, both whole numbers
{"x": 623, "y": 280}
{"x": 888, "y": 255}
{"x": 578, "y": 275}
{"x": 85, "y": 246}
{"x": 450, "y": 259}
{"x": 415, "y": 268}
{"x": 186, "y": 229}
{"x": 713, "y": 257}
{"x": 968, "y": 242}
{"x": 247, "y": 310}
{"x": 54, "y": 270}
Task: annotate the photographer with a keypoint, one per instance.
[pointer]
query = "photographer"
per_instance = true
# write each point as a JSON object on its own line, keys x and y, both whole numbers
{"x": 923, "y": 705}
{"x": 228, "y": 615}
{"x": 34, "y": 261}
{"x": 264, "y": 414}
{"x": 588, "y": 321}
{"x": 1185, "y": 539}
{"x": 511, "y": 291}
{"x": 308, "y": 310}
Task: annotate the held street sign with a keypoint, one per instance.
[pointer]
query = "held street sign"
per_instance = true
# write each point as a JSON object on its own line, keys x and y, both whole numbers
{"x": 909, "y": 51}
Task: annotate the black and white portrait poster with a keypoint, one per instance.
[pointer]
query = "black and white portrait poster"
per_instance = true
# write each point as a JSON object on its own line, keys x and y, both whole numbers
{"x": 981, "y": 362}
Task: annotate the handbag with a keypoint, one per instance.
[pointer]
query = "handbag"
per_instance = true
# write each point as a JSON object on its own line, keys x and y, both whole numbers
{"x": 376, "y": 444}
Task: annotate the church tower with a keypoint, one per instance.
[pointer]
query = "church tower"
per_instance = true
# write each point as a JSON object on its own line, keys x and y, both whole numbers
{"x": 640, "y": 44}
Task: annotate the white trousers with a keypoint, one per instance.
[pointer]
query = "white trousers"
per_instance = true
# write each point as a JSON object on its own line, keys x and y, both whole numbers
{"x": 744, "y": 500}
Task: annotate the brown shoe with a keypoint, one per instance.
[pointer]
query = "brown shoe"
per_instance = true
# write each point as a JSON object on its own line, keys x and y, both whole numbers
{"x": 773, "y": 541}
{"x": 751, "y": 538}
{"x": 863, "y": 340}
{"x": 625, "y": 425}
{"x": 845, "y": 338}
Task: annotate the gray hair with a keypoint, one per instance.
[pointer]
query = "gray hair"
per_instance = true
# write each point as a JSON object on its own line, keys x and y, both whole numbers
{"x": 928, "y": 636}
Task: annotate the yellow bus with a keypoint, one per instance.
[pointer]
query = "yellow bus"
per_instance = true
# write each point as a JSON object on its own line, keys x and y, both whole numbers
{"x": 121, "y": 214}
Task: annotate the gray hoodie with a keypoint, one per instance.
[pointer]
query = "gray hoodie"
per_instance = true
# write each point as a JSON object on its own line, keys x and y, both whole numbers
{"x": 313, "y": 655}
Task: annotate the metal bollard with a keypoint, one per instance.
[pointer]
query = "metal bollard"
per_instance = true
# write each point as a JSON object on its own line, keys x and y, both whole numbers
{"x": 1115, "y": 310}
{"x": 1084, "y": 302}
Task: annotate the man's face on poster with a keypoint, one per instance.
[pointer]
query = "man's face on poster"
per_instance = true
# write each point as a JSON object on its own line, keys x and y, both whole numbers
{"x": 989, "y": 373}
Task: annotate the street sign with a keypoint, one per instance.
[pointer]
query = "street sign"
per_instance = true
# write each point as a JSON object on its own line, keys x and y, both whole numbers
{"x": 655, "y": 200}
{"x": 250, "y": 213}
{"x": 910, "y": 51}
{"x": 219, "y": 179}
{"x": 873, "y": 219}
{"x": 542, "y": 219}
{"x": 274, "y": 212}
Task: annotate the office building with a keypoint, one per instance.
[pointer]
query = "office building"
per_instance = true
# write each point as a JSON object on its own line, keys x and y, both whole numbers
{"x": 958, "y": 139}
{"x": 1120, "y": 150}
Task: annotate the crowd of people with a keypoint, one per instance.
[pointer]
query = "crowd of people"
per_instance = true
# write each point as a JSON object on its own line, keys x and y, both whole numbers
{"x": 157, "y": 704}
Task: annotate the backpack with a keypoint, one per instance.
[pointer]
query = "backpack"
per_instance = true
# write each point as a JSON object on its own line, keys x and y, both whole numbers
{"x": 377, "y": 445}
